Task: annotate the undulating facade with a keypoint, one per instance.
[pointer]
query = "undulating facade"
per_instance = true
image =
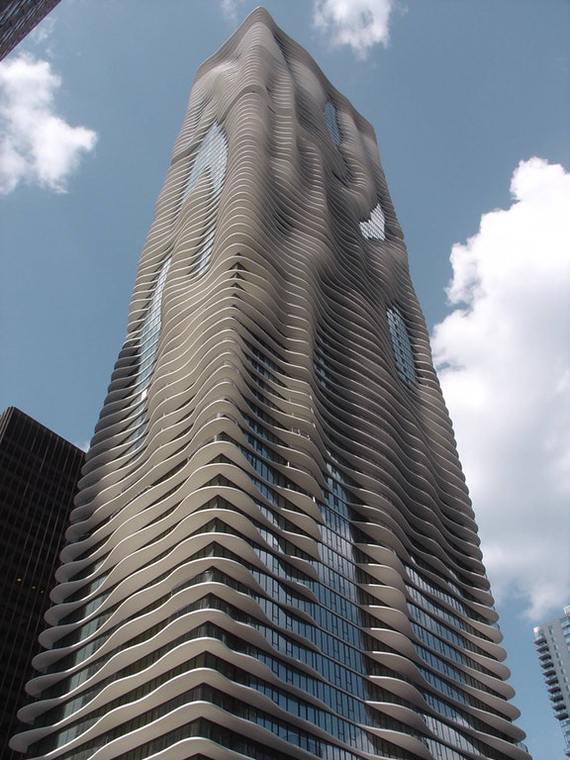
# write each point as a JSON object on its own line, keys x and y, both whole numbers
{"x": 552, "y": 642}
{"x": 273, "y": 552}
{"x": 39, "y": 471}
{"x": 18, "y": 18}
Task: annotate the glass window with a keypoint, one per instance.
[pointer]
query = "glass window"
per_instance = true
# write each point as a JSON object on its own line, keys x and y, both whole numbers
{"x": 373, "y": 228}
{"x": 403, "y": 351}
{"x": 331, "y": 120}
{"x": 212, "y": 157}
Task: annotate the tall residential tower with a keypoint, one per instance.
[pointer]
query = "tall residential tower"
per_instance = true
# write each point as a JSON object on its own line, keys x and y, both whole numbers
{"x": 273, "y": 552}
{"x": 552, "y": 642}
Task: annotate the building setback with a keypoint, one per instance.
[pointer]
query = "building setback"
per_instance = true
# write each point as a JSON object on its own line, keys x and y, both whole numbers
{"x": 552, "y": 642}
{"x": 273, "y": 552}
{"x": 38, "y": 479}
{"x": 18, "y": 18}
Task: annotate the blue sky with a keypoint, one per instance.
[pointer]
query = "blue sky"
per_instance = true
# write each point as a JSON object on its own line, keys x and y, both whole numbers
{"x": 460, "y": 93}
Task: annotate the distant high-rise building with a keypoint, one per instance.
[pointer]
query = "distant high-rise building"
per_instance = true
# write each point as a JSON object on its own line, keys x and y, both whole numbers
{"x": 38, "y": 479}
{"x": 18, "y": 18}
{"x": 552, "y": 642}
{"x": 273, "y": 552}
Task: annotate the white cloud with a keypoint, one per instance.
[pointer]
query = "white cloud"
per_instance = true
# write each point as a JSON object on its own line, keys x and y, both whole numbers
{"x": 230, "y": 9}
{"x": 42, "y": 31}
{"x": 504, "y": 366}
{"x": 36, "y": 145}
{"x": 361, "y": 24}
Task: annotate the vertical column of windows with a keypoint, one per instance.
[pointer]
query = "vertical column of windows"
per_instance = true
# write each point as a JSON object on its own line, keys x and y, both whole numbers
{"x": 331, "y": 121}
{"x": 212, "y": 157}
{"x": 336, "y": 588}
{"x": 148, "y": 347}
{"x": 334, "y": 548}
{"x": 402, "y": 347}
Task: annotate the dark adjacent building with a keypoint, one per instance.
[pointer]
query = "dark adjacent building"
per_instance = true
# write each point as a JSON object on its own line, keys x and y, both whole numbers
{"x": 39, "y": 471}
{"x": 18, "y": 18}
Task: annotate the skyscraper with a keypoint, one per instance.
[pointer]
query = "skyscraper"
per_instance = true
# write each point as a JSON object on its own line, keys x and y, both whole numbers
{"x": 552, "y": 642}
{"x": 18, "y": 18}
{"x": 273, "y": 551}
{"x": 38, "y": 480}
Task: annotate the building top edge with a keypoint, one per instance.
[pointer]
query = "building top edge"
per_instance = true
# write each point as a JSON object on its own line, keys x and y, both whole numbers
{"x": 14, "y": 412}
{"x": 262, "y": 15}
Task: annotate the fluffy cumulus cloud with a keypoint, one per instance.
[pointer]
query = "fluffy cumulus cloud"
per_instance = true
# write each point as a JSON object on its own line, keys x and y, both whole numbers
{"x": 360, "y": 24}
{"x": 36, "y": 145}
{"x": 503, "y": 361}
